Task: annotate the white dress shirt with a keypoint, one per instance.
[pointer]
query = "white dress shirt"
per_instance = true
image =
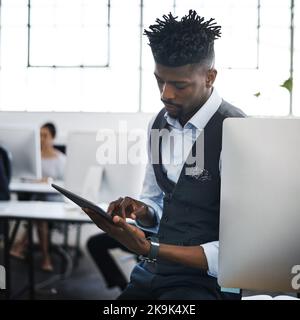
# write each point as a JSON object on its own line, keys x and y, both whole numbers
{"x": 173, "y": 159}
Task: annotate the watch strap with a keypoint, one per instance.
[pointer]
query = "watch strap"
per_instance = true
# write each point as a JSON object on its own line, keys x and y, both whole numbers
{"x": 154, "y": 248}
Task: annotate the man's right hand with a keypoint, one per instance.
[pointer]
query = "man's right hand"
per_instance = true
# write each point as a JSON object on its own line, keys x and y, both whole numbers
{"x": 131, "y": 208}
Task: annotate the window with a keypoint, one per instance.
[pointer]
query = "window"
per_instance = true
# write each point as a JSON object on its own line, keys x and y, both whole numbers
{"x": 252, "y": 43}
{"x": 110, "y": 89}
{"x": 253, "y": 56}
{"x": 296, "y": 61}
{"x": 0, "y": 37}
{"x": 68, "y": 33}
{"x": 258, "y": 92}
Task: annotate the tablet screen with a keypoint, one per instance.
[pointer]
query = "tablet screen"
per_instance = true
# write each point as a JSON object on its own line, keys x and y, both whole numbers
{"x": 83, "y": 203}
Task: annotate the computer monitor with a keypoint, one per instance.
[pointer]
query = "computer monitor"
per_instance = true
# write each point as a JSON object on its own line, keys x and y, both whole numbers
{"x": 24, "y": 145}
{"x": 260, "y": 204}
{"x": 90, "y": 176}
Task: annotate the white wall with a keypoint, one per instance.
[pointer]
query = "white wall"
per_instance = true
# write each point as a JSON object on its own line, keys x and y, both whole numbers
{"x": 67, "y": 122}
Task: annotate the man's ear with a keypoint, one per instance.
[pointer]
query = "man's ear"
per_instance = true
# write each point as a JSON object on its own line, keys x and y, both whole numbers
{"x": 211, "y": 77}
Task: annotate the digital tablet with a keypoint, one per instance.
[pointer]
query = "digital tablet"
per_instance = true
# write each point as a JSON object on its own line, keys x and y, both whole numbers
{"x": 83, "y": 203}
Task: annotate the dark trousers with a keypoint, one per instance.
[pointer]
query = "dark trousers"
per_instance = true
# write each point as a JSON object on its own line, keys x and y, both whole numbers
{"x": 145, "y": 285}
{"x": 98, "y": 247}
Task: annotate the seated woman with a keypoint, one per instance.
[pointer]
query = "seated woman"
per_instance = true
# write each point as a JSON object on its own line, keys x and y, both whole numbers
{"x": 53, "y": 163}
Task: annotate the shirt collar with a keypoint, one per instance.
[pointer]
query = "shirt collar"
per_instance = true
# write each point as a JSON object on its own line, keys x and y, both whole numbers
{"x": 202, "y": 116}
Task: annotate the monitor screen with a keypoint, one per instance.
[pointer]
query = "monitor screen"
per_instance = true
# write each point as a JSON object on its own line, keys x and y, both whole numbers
{"x": 23, "y": 143}
{"x": 98, "y": 179}
{"x": 259, "y": 213}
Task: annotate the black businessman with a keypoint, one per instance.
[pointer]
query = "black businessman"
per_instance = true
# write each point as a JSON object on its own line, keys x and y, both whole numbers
{"x": 180, "y": 259}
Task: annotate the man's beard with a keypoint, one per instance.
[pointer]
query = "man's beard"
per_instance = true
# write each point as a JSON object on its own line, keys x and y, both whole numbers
{"x": 173, "y": 110}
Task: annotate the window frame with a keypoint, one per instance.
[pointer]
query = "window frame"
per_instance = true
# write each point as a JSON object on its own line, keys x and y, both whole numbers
{"x": 29, "y": 65}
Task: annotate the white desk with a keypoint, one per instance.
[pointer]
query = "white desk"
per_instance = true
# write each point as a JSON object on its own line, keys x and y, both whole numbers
{"x": 35, "y": 210}
{"x": 42, "y": 210}
{"x": 34, "y": 187}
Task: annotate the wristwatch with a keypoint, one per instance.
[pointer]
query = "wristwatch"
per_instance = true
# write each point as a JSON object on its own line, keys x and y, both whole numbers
{"x": 154, "y": 248}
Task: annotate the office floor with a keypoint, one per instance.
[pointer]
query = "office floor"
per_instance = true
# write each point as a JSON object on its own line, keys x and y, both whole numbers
{"x": 84, "y": 282}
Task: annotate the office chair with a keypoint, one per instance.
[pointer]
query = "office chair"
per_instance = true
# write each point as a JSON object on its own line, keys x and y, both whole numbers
{"x": 6, "y": 160}
{"x": 5, "y": 176}
{"x": 61, "y": 147}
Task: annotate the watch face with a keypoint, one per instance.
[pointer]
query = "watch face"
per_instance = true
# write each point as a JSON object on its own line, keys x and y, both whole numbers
{"x": 153, "y": 239}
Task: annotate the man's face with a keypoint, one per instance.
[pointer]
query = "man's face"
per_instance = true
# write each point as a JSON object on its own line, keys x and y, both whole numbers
{"x": 184, "y": 89}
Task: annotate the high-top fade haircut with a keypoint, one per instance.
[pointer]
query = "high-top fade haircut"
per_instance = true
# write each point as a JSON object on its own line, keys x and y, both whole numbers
{"x": 187, "y": 41}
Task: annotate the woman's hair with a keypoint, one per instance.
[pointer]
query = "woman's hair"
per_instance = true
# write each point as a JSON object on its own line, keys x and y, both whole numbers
{"x": 51, "y": 127}
{"x": 190, "y": 40}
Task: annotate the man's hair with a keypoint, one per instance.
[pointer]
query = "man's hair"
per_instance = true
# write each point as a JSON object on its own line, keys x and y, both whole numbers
{"x": 176, "y": 43}
{"x": 51, "y": 127}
